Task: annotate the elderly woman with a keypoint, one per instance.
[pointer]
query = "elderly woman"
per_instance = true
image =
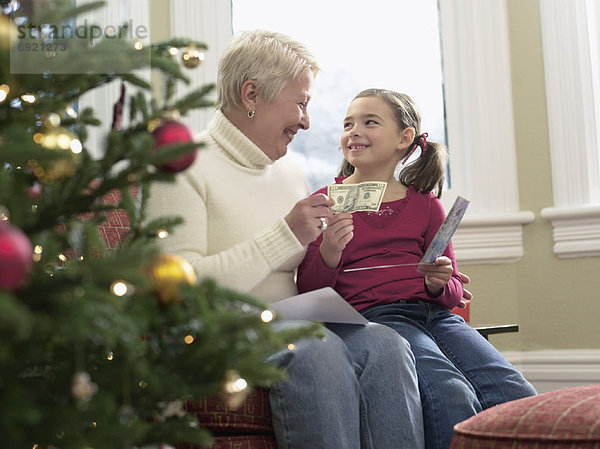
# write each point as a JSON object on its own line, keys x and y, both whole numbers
{"x": 248, "y": 221}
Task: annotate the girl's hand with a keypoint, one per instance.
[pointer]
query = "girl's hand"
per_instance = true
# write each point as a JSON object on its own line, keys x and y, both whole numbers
{"x": 467, "y": 295}
{"x": 335, "y": 238}
{"x": 437, "y": 275}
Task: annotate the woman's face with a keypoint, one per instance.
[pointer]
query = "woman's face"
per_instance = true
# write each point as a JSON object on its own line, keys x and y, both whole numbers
{"x": 277, "y": 122}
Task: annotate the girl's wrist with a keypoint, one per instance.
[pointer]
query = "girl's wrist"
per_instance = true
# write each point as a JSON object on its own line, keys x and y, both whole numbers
{"x": 331, "y": 259}
{"x": 434, "y": 292}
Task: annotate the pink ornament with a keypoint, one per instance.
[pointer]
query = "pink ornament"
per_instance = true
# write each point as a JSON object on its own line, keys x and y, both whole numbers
{"x": 34, "y": 191}
{"x": 171, "y": 132}
{"x": 15, "y": 257}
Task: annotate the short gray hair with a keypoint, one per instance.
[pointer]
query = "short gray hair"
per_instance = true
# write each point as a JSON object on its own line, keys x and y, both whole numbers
{"x": 269, "y": 58}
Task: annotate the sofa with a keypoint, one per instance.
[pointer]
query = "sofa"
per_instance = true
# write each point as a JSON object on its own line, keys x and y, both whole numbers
{"x": 250, "y": 425}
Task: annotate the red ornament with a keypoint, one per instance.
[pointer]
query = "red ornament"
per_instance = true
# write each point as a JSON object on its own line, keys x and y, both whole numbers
{"x": 171, "y": 132}
{"x": 16, "y": 257}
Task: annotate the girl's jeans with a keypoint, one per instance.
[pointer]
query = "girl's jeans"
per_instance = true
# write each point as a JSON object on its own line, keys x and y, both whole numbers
{"x": 460, "y": 372}
{"x": 357, "y": 388}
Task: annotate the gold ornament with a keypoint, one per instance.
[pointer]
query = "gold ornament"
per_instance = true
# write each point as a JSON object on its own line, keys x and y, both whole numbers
{"x": 192, "y": 57}
{"x": 167, "y": 272}
{"x": 57, "y": 137}
{"x": 234, "y": 389}
{"x": 8, "y": 32}
{"x": 54, "y": 137}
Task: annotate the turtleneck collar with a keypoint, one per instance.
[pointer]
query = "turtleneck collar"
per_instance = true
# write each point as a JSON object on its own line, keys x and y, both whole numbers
{"x": 236, "y": 144}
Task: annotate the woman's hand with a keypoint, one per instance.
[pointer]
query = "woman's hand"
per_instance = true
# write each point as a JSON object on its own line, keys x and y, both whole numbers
{"x": 339, "y": 232}
{"x": 305, "y": 217}
{"x": 437, "y": 275}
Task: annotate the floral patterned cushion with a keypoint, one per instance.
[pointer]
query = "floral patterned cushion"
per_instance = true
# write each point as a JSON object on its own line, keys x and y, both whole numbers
{"x": 562, "y": 419}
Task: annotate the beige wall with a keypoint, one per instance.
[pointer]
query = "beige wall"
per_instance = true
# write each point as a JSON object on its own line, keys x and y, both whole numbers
{"x": 556, "y": 302}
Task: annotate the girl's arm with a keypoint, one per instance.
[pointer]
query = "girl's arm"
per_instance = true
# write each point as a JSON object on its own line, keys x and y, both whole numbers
{"x": 323, "y": 260}
{"x": 312, "y": 271}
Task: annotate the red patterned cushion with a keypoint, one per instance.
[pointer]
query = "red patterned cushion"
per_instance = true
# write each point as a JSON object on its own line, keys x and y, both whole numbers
{"x": 116, "y": 227}
{"x": 563, "y": 419}
{"x": 239, "y": 442}
{"x": 245, "y": 442}
{"x": 254, "y": 416}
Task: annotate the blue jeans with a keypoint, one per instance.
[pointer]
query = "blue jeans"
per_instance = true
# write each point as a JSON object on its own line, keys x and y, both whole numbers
{"x": 460, "y": 372}
{"x": 357, "y": 388}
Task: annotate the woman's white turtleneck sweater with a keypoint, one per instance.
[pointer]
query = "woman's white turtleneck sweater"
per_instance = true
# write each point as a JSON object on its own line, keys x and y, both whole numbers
{"x": 233, "y": 199}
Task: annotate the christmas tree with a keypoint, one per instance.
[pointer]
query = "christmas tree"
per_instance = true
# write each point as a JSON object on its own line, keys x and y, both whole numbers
{"x": 101, "y": 348}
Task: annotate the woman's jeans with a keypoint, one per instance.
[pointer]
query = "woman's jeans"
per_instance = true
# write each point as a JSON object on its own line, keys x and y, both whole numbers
{"x": 460, "y": 372}
{"x": 356, "y": 388}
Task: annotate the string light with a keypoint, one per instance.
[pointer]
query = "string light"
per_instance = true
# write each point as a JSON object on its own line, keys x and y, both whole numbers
{"x": 76, "y": 146}
{"x": 4, "y": 90}
{"x": 37, "y": 253}
{"x": 267, "y": 316}
{"x": 138, "y": 45}
{"x": 235, "y": 386}
{"x": 291, "y": 346}
{"x": 162, "y": 234}
{"x": 188, "y": 339}
{"x": 173, "y": 51}
{"x": 28, "y": 98}
{"x": 71, "y": 112}
{"x": 110, "y": 356}
{"x": 119, "y": 288}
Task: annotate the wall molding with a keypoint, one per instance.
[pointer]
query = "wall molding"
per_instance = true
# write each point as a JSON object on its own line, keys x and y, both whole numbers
{"x": 491, "y": 238}
{"x": 576, "y": 230}
{"x": 553, "y": 369}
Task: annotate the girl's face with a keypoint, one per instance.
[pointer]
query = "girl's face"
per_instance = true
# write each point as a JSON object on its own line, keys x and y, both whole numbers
{"x": 371, "y": 138}
{"x": 277, "y": 122}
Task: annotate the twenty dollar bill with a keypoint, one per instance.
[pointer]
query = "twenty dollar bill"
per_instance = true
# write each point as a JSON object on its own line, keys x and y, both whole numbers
{"x": 365, "y": 196}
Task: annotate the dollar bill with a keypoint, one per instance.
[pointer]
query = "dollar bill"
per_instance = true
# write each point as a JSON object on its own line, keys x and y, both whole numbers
{"x": 365, "y": 196}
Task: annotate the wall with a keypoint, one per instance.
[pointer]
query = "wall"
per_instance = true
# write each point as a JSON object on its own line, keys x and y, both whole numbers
{"x": 555, "y": 301}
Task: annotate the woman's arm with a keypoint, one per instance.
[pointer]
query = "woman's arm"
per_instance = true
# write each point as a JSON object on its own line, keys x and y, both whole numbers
{"x": 241, "y": 266}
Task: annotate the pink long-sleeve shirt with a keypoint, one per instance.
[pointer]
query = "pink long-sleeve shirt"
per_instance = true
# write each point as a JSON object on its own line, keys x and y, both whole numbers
{"x": 398, "y": 233}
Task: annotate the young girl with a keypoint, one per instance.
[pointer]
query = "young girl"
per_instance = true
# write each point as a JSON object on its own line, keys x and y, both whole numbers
{"x": 459, "y": 372}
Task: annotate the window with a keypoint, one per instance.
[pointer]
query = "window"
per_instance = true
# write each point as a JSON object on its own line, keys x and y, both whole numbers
{"x": 477, "y": 92}
{"x": 392, "y": 45}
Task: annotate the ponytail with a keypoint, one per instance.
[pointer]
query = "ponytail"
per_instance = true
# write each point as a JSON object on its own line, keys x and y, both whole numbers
{"x": 427, "y": 173}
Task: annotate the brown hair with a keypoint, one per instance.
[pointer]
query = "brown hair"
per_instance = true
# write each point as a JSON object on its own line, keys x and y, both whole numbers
{"x": 427, "y": 172}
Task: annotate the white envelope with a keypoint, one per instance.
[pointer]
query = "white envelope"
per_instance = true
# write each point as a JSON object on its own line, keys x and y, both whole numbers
{"x": 324, "y": 305}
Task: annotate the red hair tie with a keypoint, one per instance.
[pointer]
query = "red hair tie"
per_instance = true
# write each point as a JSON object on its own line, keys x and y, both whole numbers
{"x": 420, "y": 141}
